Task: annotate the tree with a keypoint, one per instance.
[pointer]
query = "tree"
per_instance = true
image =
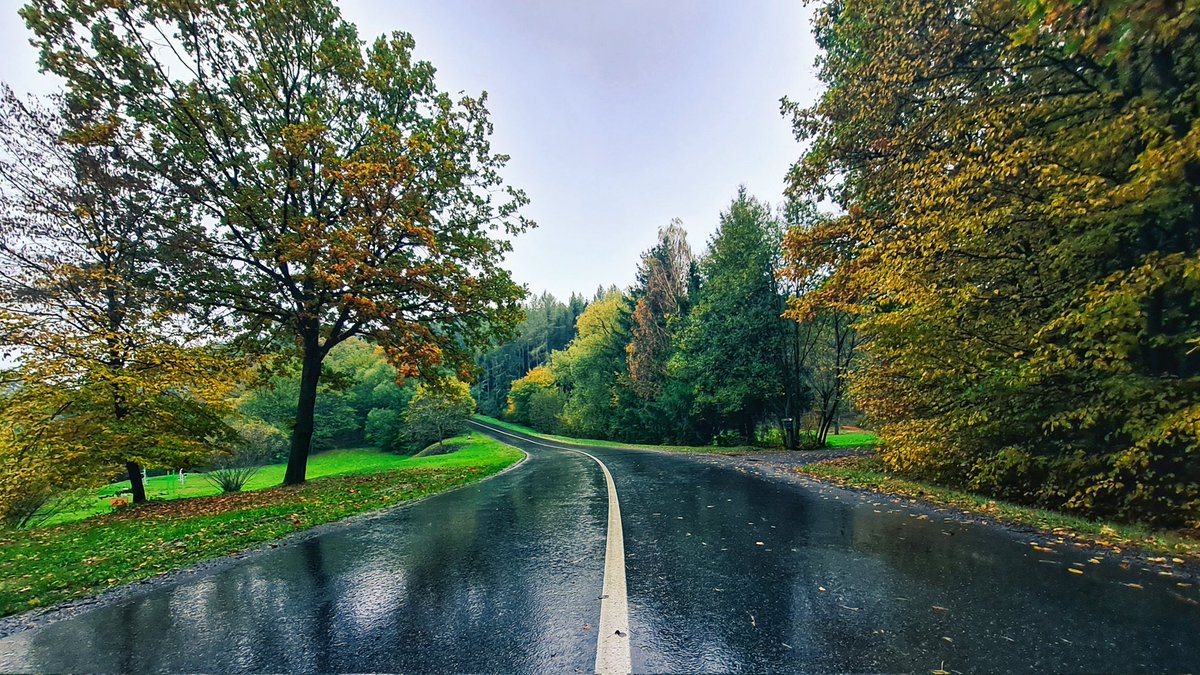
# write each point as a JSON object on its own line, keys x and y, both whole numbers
{"x": 665, "y": 276}
{"x": 732, "y": 347}
{"x": 521, "y": 394}
{"x": 385, "y": 428}
{"x": 591, "y": 371}
{"x": 1019, "y": 235}
{"x": 438, "y": 411}
{"x": 344, "y": 194}
{"x": 109, "y": 370}
{"x": 549, "y": 326}
{"x": 832, "y": 349}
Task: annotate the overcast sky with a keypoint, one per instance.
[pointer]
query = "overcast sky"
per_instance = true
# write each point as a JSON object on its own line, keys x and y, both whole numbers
{"x": 619, "y": 114}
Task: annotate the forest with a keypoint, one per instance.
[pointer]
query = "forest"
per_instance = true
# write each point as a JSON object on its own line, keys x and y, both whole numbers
{"x": 697, "y": 351}
{"x": 990, "y": 246}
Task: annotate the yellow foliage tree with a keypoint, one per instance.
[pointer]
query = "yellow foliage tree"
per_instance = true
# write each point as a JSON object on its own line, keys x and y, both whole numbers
{"x": 110, "y": 375}
{"x": 1021, "y": 194}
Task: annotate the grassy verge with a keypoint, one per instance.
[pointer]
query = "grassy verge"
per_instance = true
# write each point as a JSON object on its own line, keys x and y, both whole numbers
{"x": 48, "y": 565}
{"x": 870, "y": 473}
{"x": 841, "y": 441}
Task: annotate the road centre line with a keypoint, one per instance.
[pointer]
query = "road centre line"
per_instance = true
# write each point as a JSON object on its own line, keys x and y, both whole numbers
{"x": 612, "y": 644}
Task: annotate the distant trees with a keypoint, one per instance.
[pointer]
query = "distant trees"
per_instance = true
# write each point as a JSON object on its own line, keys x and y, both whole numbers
{"x": 1020, "y": 236}
{"x": 359, "y": 398}
{"x": 549, "y": 326}
{"x": 340, "y": 193}
{"x": 695, "y": 349}
{"x": 591, "y": 371}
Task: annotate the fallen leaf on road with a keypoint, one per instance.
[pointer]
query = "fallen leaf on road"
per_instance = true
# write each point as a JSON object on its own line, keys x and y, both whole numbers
{"x": 1073, "y": 570}
{"x": 937, "y": 608}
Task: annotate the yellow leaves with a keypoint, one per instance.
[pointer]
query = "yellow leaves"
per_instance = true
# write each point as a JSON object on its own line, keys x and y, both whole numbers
{"x": 298, "y": 137}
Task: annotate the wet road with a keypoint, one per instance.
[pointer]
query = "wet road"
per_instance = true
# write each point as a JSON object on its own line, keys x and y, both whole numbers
{"x": 726, "y": 571}
{"x": 500, "y": 576}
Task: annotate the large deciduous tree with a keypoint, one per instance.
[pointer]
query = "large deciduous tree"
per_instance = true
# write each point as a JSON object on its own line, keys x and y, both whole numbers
{"x": 109, "y": 373}
{"x": 1021, "y": 193}
{"x": 343, "y": 194}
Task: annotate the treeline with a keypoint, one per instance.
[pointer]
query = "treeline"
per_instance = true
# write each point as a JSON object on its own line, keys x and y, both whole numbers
{"x": 549, "y": 326}
{"x": 1021, "y": 192}
{"x": 698, "y": 350}
{"x": 255, "y": 190}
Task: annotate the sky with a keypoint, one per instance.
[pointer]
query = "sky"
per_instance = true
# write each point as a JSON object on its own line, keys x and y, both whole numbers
{"x": 619, "y": 115}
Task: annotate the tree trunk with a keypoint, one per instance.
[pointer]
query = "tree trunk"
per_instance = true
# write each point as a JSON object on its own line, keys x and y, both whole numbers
{"x": 136, "y": 486}
{"x": 302, "y": 432}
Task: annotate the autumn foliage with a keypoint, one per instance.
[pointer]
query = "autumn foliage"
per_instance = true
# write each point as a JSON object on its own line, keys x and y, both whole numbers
{"x": 1020, "y": 185}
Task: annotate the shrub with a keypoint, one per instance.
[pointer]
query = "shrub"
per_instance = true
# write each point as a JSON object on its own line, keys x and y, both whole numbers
{"x": 231, "y": 478}
{"x": 258, "y": 443}
{"x": 385, "y": 429}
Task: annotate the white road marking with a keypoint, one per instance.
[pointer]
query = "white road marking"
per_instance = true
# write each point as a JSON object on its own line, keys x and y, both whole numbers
{"x": 612, "y": 644}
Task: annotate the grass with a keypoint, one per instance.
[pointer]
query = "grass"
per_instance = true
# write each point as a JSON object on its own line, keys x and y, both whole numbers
{"x": 848, "y": 440}
{"x": 870, "y": 473}
{"x": 852, "y": 439}
{"x": 160, "y": 488}
{"x": 610, "y": 444}
{"x": 48, "y": 565}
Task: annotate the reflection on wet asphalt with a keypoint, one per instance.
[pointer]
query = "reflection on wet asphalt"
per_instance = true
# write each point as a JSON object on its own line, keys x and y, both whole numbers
{"x": 726, "y": 571}
{"x": 498, "y": 576}
{"x": 731, "y": 571}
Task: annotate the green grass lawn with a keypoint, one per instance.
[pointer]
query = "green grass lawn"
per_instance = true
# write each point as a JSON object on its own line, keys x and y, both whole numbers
{"x": 158, "y": 488}
{"x": 852, "y": 439}
{"x": 46, "y": 565}
{"x": 848, "y": 440}
{"x": 870, "y": 473}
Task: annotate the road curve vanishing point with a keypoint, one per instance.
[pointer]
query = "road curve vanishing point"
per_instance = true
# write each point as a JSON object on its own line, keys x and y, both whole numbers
{"x": 612, "y": 644}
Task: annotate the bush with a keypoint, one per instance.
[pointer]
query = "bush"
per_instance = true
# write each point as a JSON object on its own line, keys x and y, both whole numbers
{"x": 545, "y": 406}
{"x": 385, "y": 429}
{"x": 231, "y": 478}
{"x": 258, "y": 443}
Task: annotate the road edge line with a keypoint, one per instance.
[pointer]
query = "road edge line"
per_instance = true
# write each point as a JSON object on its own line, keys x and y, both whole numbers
{"x": 612, "y": 642}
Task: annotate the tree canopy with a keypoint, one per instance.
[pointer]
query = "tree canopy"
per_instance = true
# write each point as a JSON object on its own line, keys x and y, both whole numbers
{"x": 1020, "y": 193}
{"x": 339, "y": 192}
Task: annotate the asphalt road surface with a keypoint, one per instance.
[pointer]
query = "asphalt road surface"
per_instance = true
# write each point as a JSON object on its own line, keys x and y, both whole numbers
{"x": 725, "y": 571}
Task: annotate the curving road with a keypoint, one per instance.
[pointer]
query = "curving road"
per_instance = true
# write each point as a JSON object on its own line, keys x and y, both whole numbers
{"x": 725, "y": 571}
